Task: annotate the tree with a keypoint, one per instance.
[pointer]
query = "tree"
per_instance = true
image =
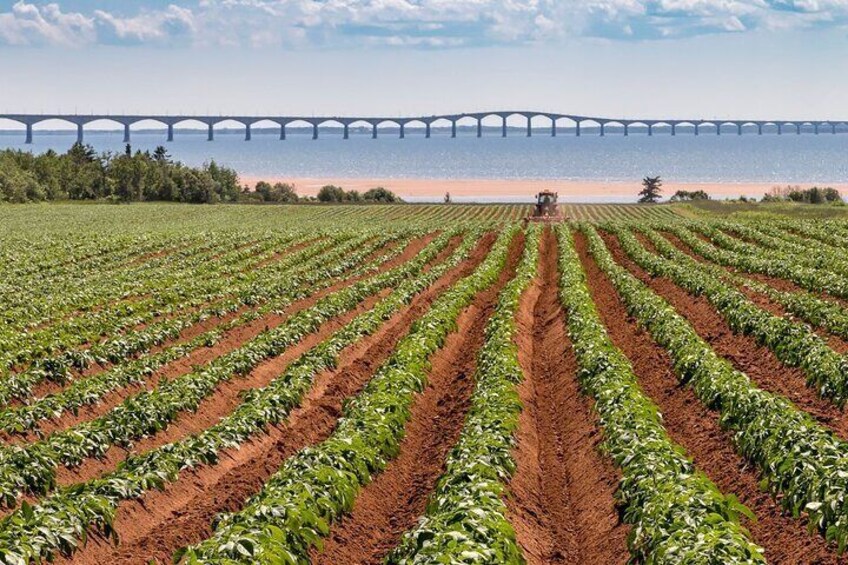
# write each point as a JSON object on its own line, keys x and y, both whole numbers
{"x": 685, "y": 195}
{"x": 381, "y": 194}
{"x": 651, "y": 189}
{"x": 160, "y": 154}
{"x": 331, "y": 193}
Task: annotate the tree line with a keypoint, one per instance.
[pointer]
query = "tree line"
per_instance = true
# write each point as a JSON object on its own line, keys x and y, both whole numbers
{"x": 135, "y": 176}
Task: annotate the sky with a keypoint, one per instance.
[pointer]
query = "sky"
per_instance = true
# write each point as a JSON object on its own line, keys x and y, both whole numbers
{"x": 743, "y": 59}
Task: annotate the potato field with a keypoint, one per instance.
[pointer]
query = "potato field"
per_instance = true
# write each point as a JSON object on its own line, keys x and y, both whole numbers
{"x": 421, "y": 384}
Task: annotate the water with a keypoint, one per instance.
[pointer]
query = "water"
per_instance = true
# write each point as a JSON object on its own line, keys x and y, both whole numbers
{"x": 769, "y": 158}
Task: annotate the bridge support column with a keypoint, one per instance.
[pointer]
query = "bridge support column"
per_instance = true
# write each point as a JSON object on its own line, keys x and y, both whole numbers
{"x": 427, "y": 130}
{"x": 479, "y": 127}
{"x": 626, "y": 130}
{"x": 247, "y": 132}
{"x": 650, "y": 130}
{"x": 402, "y": 131}
{"x": 210, "y": 132}
{"x": 602, "y": 129}
{"x": 79, "y": 133}
{"x": 673, "y": 129}
{"x": 759, "y": 129}
{"x": 779, "y": 129}
{"x": 798, "y": 129}
{"x": 170, "y": 132}
{"x": 529, "y": 126}
{"x": 453, "y": 128}
{"x": 816, "y": 129}
{"x": 738, "y": 129}
{"x": 718, "y": 129}
{"x": 577, "y": 129}
{"x": 373, "y": 131}
{"x": 126, "y": 133}
{"x": 503, "y": 126}
{"x": 553, "y": 127}
{"x": 28, "y": 133}
{"x": 697, "y": 129}
{"x": 282, "y": 132}
{"x": 314, "y": 131}
{"x": 346, "y": 131}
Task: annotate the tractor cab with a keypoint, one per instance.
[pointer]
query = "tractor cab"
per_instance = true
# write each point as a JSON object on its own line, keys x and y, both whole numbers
{"x": 546, "y": 207}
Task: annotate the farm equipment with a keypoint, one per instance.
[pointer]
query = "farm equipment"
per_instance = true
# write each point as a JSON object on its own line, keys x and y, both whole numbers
{"x": 546, "y": 209}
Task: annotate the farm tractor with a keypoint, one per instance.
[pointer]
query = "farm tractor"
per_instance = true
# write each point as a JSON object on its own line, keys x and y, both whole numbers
{"x": 546, "y": 209}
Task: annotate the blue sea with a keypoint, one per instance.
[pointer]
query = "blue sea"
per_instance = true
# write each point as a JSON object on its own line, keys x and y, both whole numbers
{"x": 728, "y": 158}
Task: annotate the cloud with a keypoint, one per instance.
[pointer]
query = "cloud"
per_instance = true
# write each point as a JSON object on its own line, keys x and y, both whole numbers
{"x": 407, "y": 23}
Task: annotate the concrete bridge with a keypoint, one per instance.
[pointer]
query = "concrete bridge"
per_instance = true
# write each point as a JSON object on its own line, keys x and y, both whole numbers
{"x": 551, "y": 122}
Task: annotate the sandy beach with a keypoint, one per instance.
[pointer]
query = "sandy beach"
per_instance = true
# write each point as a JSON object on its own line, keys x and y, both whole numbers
{"x": 514, "y": 190}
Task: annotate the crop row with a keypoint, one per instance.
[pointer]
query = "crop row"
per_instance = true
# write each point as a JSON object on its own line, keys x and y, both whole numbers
{"x": 802, "y": 464}
{"x": 63, "y": 518}
{"x": 677, "y": 514}
{"x": 32, "y": 467}
{"x": 319, "y": 483}
{"x": 795, "y": 344}
{"x": 89, "y": 390}
{"x": 466, "y": 515}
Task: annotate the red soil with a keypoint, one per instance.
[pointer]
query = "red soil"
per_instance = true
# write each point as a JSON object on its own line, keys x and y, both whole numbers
{"x": 696, "y": 428}
{"x": 562, "y": 496}
{"x": 393, "y": 501}
{"x": 743, "y": 352}
{"x": 161, "y": 522}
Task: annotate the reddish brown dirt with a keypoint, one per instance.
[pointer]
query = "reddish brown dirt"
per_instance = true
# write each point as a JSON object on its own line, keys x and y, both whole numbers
{"x": 158, "y": 524}
{"x": 226, "y": 396}
{"x": 743, "y": 352}
{"x": 562, "y": 496}
{"x": 394, "y": 500}
{"x": 696, "y": 428}
{"x": 835, "y": 342}
{"x": 233, "y": 339}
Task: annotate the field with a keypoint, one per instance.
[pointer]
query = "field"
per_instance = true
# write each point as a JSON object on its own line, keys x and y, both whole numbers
{"x": 420, "y": 384}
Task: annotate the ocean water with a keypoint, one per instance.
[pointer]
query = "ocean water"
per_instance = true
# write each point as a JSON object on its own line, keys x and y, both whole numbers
{"x": 788, "y": 158}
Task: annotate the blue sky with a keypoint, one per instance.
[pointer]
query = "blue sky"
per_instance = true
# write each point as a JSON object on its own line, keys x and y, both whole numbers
{"x": 630, "y": 58}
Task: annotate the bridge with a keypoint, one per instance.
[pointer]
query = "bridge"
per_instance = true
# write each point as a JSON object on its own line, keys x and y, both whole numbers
{"x": 553, "y": 122}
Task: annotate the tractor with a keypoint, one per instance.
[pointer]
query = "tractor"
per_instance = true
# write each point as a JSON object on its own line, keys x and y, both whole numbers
{"x": 546, "y": 208}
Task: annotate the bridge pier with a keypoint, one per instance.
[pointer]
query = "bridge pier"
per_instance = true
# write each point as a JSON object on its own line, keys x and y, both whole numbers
{"x": 283, "y": 131}
{"x": 170, "y": 132}
{"x": 626, "y": 130}
{"x": 503, "y": 126}
{"x": 373, "y": 131}
{"x": 126, "y": 133}
{"x": 247, "y": 132}
{"x": 553, "y": 127}
{"x": 28, "y": 133}
{"x": 673, "y": 129}
{"x": 738, "y": 129}
{"x": 697, "y": 129}
{"x": 346, "y": 134}
{"x": 759, "y": 129}
{"x": 650, "y": 130}
{"x": 816, "y": 129}
{"x": 479, "y": 127}
{"x": 798, "y": 129}
{"x": 529, "y": 126}
{"x": 315, "y": 131}
{"x": 79, "y": 133}
{"x": 453, "y": 128}
{"x": 210, "y": 132}
{"x": 779, "y": 129}
{"x": 603, "y": 124}
{"x": 427, "y": 130}
{"x": 718, "y": 129}
{"x": 577, "y": 128}
{"x": 402, "y": 130}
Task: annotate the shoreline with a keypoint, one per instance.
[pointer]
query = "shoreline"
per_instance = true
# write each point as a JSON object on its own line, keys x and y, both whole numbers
{"x": 516, "y": 190}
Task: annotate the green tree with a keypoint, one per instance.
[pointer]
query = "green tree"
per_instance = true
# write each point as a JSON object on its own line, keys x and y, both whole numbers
{"x": 381, "y": 194}
{"x": 651, "y": 189}
{"x": 331, "y": 193}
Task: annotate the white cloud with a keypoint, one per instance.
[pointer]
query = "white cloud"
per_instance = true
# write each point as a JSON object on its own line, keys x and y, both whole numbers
{"x": 409, "y": 23}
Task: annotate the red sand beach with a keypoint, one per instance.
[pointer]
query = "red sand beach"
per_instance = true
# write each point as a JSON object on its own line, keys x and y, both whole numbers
{"x": 513, "y": 189}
